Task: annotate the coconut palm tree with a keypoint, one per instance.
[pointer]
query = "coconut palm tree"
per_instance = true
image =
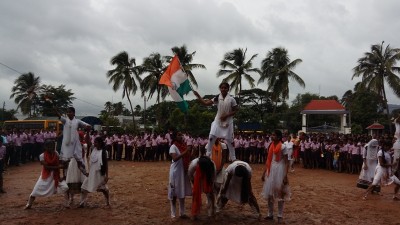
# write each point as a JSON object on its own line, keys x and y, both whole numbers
{"x": 154, "y": 67}
{"x": 235, "y": 68}
{"x": 108, "y": 107}
{"x": 125, "y": 74}
{"x": 277, "y": 69}
{"x": 186, "y": 59}
{"x": 25, "y": 91}
{"x": 377, "y": 67}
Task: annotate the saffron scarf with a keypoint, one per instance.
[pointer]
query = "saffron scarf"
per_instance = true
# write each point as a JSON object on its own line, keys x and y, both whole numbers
{"x": 51, "y": 160}
{"x": 216, "y": 156}
{"x": 273, "y": 149}
{"x": 200, "y": 183}
{"x": 186, "y": 158}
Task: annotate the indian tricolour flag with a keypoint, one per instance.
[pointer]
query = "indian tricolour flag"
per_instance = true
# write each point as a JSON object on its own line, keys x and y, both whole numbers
{"x": 177, "y": 81}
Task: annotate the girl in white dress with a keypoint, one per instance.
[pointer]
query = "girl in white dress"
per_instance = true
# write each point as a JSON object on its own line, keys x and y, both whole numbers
{"x": 383, "y": 172}
{"x": 237, "y": 187}
{"x": 50, "y": 176}
{"x": 179, "y": 183}
{"x": 276, "y": 184}
{"x": 98, "y": 174}
{"x": 222, "y": 127}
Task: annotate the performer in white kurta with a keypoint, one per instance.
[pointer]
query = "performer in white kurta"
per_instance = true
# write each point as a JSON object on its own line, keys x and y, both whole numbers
{"x": 50, "y": 176}
{"x": 276, "y": 184}
{"x": 383, "y": 172}
{"x": 396, "y": 146}
{"x": 222, "y": 127}
{"x": 370, "y": 161}
{"x": 98, "y": 174}
{"x": 71, "y": 153}
{"x": 237, "y": 186}
{"x": 179, "y": 183}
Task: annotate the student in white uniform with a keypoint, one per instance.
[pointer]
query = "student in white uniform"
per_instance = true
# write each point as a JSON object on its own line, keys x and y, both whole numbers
{"x": 98, "y": 174}
{"x": 276, "y": 184}
{"x": 383, "y": 172}
{"x": 50, "y": 176}
{"x": 222, "y": 127}
{"x": 237, "y": 187}
{"x": 179, "y": 184}
{"x": 202, "y": 174}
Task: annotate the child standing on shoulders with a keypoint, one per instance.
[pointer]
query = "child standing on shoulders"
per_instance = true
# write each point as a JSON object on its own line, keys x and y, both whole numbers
{"x": 98, "y": 174}
{"x": 48, "y": 181}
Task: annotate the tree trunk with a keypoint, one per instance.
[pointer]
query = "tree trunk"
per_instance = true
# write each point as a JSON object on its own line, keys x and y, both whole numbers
{"x": 130, "y": 104}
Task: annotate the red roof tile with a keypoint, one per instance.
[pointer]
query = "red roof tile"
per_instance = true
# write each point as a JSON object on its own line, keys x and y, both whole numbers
{"x": 375, "y": 126}
{"x": 324, "y": 105}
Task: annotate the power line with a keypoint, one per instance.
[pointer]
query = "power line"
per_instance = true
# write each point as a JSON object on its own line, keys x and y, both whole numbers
{"x": 89, "y": 103}
{"x": 75, "y": 98}
{"x": 10, "y": 68}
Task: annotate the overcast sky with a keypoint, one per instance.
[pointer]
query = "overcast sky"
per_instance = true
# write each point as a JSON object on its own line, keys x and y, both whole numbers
{"x": 71, "y": 42}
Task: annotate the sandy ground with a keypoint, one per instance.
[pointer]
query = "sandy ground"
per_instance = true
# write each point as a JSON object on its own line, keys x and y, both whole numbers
{"x": 139, "y": 196}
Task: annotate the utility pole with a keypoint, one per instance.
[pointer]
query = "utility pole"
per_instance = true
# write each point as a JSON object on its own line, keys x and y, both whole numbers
{"x": 144, "y": 114}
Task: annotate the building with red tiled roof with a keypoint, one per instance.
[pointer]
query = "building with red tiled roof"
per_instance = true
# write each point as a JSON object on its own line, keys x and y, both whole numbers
{"x": 375, "y": 129}
{"x": 326, "y": 107}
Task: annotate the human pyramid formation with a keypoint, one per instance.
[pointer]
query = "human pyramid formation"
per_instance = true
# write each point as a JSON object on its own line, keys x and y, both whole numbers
{"x": 192, "y": 176}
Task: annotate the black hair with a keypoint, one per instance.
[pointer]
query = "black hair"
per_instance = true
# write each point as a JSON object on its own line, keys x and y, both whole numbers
{"x": 278, "y": 134}
{"x": 100, "y": 141}
{"x": 207, "y": 167}
{"x": 242, "y": 172}
{"x": 72, "y": 109}
{"x": 49, "y": 144}
{"x": 224, "y": 83}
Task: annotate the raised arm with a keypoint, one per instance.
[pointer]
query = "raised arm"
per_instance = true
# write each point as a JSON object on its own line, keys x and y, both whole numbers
{"x": 206, "y": 102}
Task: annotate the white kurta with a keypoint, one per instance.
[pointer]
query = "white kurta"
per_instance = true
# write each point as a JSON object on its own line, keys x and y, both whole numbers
{"x": 233, "y": 192}
{"x": 71, "y": 146}
{"x": 223, "y": 129}
{"x": 179, "y": 184}
{"x": 274, "y": 181}
{"x": 95, "y": 181}
{"x": 44, "y": 188}
{"x": 371, "y": 161}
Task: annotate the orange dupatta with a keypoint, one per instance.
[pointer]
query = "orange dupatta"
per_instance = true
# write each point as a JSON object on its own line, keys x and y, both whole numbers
{"x": 216, "y": 156}
{"x": 200, "y": 183}
{"x": 51, "y": 160}
{"x": 273, "y": 149}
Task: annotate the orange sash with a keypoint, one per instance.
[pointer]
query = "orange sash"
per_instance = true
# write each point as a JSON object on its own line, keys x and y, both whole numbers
{"x": 186, "y": 158}
{"x": 273, "y": 149}
{"x": 51, "y": 160}
{"x": 216, "y": 156}
{"x": 200, "y": 183}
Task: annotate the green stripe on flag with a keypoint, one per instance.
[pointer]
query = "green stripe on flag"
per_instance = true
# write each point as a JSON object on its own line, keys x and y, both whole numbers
{"x": 184, "y": 88}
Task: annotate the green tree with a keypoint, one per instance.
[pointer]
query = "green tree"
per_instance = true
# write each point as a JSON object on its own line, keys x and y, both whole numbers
{"x": 235, "y": 68}
{"x": 257, "y": 100}
{"x": 7, "y": 114}
{"x": 60, "y": 97}
{"x": 276, "y": 70}
{"x": 108, "y": 107}
{"x": 378, "y": 67}
{"x": 125, "y": 74}
{"x": 25, "y": 91}
{"x": 154, "y": 67}
{"x": 186, "y": 59}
